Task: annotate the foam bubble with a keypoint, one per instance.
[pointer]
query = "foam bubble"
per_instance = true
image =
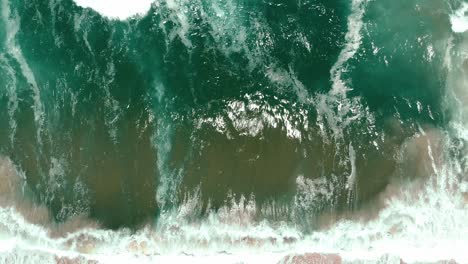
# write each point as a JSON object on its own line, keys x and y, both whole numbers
{"x": 117, "y": 9}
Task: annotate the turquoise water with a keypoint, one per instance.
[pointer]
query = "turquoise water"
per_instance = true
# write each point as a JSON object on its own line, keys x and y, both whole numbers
{"x": 306, "y": 111}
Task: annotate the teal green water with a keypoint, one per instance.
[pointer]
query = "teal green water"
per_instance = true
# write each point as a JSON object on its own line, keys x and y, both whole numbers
{"x": 120, "y": 120}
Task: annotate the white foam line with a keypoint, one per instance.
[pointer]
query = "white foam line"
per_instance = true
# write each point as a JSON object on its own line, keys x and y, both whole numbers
{"x": 113, "y": 109}
{"x": 12, "y": 97}
{"x": 353, "y": 42}
{"x": 12, "y": 25}
{"x": 179, "y": 15}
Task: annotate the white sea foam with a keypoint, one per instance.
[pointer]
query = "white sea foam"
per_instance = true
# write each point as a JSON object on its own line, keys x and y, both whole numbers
{"x": 353, "y": 42}
{"x": 178, "y": 14}
{"x": 420, "y": 223}
{"x": 12, "y": 26}
{"x": 11, "y": 94}
{"x": 113, "y": 110}
{"x": 459, "y": 19}
{"x": 335, "y": 110}
{"x": 117, "y": 9}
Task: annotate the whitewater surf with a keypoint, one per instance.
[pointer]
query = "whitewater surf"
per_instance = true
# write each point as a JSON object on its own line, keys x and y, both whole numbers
{"x": 193, "y": 131}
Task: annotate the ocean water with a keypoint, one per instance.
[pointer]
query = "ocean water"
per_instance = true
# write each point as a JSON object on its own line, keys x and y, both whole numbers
{"x": 233, "y": 131}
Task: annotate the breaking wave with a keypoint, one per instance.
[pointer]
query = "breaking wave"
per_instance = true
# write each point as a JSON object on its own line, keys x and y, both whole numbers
{"x": 233, "y": 132}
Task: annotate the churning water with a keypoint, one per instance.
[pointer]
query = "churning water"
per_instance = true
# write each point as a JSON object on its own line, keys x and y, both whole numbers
{"x": 206, "y": 131}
